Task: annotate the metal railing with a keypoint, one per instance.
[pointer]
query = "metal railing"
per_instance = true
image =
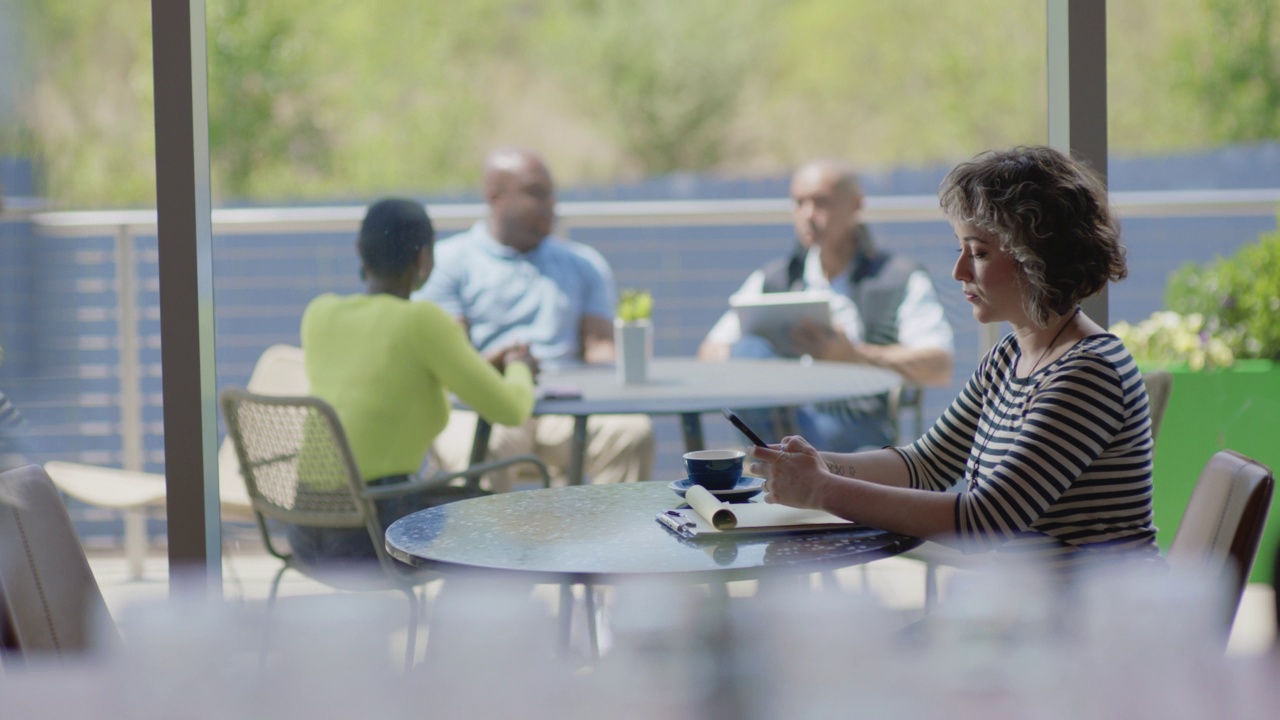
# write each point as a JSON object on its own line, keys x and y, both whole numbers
{"x": 126, "y": 225}
{"x": 647, "y": 213}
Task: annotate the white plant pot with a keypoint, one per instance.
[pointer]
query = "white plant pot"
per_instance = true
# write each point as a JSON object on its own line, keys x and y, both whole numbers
{"x": 633, "y": 343}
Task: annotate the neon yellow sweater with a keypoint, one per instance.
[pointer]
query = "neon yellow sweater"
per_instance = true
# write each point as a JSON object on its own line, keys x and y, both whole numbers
{"x": 385, "y": 365}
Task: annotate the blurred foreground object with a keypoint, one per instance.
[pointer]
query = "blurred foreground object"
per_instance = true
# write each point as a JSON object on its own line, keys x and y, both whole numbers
{"x": 1222, "y": 526}
{"x": 49, "y": 599}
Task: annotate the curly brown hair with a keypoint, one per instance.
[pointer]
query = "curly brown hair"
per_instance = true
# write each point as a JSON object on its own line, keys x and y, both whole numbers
{"x": 1050, "y": 212}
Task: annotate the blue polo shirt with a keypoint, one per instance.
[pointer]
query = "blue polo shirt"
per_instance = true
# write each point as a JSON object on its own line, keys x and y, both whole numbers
{"x": 538, "y": 297}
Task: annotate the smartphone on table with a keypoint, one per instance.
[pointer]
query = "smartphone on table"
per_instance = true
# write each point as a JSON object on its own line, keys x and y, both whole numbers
{"x": 737, "y": 422}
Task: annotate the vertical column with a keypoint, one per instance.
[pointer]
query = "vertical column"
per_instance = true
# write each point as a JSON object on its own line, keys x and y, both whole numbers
{"x": 186, "y": 291}
{"x": 1077, "y": 66}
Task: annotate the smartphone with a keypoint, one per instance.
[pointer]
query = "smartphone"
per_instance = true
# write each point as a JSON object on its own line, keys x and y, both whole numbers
{"x": 559, "y": 391}
{"x": 737, "y": 422}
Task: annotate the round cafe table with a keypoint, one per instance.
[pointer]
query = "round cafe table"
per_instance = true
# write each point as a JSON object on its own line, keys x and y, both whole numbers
{"x": 593, "y": 533}
{"x": 590, "y": 534}
{"x": 688, "y": 387}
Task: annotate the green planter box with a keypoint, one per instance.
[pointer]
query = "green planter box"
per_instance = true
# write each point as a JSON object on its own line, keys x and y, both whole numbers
{"x": 1237, "y": 409}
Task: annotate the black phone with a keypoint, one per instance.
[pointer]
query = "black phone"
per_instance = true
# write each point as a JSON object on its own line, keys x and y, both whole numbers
{"x": 737, "y": 422}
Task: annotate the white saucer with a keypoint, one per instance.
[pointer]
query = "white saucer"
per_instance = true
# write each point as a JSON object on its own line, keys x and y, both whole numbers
{"x": 746, "y": 488}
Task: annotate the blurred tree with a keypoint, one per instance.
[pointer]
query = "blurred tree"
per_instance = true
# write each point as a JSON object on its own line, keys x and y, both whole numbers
{"x": 326, "y": 99}
{"x": 1235, "y": 69}
{"x": 261, "y": 113}
{"x": 406, "y": 90}
{"x": 89, "y": 111}
{"x": 914, "y": 80}
{"x": 666, "y": 76}
{"x": 1147, "y": 109}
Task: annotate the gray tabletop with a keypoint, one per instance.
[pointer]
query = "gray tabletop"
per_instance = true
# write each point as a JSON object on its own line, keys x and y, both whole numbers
{"x": 686, "y": 385}
{"x": 595, "y": 533}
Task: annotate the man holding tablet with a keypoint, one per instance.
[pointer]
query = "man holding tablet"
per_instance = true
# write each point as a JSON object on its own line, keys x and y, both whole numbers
{"x": 883, "y": 308}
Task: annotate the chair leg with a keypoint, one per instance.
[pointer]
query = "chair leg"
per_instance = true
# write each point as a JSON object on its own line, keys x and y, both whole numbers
{"x": 566, "y": 616}
{"x": 275, "y": 589}
{"x": 266, "y": 619}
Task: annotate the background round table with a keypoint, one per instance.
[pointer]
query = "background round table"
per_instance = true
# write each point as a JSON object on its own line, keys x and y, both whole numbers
{"x": 689, "y": 387}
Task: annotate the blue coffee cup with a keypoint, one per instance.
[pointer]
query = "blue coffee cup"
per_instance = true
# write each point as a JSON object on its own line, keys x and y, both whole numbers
{"x": 714, "y": 469}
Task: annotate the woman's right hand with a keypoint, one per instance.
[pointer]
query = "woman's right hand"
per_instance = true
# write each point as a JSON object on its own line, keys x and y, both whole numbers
{"x": 796, "y": 474}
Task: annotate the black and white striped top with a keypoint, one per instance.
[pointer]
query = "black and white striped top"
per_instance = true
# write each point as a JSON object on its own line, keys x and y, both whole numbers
{"x": 1056, "y": 466}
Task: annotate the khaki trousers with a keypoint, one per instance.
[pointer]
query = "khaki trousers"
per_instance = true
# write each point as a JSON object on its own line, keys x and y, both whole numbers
{"x": 620, "y": 448}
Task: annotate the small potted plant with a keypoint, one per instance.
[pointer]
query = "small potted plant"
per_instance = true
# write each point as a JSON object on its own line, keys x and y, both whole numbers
{"x": 633, "y": 336}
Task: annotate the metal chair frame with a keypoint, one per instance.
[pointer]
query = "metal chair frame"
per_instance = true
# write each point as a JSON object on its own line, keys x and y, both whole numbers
{"x": 355, "y": 508}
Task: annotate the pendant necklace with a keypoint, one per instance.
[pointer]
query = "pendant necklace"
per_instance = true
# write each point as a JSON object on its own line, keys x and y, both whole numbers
{"x": 1004, "y": 410}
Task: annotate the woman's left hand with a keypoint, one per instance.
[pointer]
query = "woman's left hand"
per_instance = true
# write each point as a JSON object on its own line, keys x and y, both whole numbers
{"x": 795, "y": 473}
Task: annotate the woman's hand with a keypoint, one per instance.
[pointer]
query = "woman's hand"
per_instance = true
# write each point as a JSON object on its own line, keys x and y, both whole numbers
{"x": 795, "y": 473}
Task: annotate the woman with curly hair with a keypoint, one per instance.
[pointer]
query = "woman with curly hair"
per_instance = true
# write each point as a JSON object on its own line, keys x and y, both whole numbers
{"x": 1050, "y": 440}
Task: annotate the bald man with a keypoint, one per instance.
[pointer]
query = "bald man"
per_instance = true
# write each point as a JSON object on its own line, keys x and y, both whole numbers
{"x": 884, "y": 310}
{"x": 510, "y": 282}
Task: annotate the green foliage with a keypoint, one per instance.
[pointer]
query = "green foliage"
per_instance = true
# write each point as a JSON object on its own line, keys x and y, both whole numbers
{"x": 1151, "y": 49}
{"x": 1167, "y": 338}
{"x": 912, "y": 80}
{"x": 336, "y": 99}
{"x": 90, "y": 108}
{"x": 666, "y": 76}
{"x": 1239, "y": 297}
{"x": 261, "y": 113}
{"x": 635, "y": 305}
{"x": 405, "y": 91}
{"x": 1235, "y": 74}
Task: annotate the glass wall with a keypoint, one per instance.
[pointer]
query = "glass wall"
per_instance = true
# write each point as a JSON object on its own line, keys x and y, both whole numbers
{"x": 318, "y": 108}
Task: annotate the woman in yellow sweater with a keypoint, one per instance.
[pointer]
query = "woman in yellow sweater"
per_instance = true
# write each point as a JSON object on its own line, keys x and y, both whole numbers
{"x": 386, "y": 364}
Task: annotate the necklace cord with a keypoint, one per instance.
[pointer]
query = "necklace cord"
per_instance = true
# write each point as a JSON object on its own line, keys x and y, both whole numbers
{"x": 1004, "y": 412}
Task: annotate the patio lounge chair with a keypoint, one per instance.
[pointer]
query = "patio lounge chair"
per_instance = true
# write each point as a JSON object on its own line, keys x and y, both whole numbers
{"x": 279, "y": 371}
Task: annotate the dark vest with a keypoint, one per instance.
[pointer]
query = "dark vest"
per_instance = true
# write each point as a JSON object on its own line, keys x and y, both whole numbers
{"x": 877, "y": 285}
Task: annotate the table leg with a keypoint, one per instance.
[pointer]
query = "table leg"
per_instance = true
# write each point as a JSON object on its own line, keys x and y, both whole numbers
{"x": 691, "y": 426}
{"x": 566, "y": 616}
{"x": 593, "y": 630}
{"x": 567, "y": 605}
{"x": 930, "y": 586}
{"x": 578, "y": 450}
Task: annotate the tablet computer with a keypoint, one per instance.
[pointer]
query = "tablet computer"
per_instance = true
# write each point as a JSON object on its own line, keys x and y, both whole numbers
{"x": 771, "y": 315}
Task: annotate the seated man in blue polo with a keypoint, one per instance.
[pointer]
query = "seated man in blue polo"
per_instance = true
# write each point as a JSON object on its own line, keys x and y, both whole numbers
{"x": 884, "y": 311}
{"x": 510, "y": 283}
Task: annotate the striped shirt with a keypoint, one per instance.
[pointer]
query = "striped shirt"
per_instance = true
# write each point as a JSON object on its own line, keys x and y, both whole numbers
{"x": 1055, "y": 466}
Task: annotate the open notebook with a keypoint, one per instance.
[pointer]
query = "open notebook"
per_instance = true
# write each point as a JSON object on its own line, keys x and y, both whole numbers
{"x": 706, "y": 517}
